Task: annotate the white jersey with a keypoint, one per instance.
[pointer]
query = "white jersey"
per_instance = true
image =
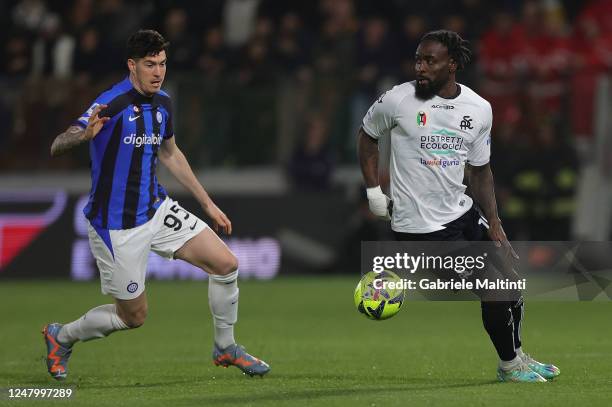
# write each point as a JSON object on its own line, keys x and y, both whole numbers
{"x": 431, "y": 141}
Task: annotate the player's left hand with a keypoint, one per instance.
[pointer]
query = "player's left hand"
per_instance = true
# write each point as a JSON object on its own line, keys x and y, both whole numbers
{"x": 378, "y": 202}
{"x": 498, "y": 236}
{"x": 219, "y": 219}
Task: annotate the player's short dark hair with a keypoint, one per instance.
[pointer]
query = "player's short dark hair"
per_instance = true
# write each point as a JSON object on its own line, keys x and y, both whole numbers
{"x": 145, "y": 43}
{"x": 457, "y": 47}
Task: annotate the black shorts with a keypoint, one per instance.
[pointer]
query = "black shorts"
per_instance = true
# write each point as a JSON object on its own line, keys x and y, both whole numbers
{"x": 470, "y": 226}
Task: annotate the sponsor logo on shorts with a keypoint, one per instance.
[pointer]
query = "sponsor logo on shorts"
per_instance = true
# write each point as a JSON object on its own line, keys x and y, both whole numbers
{"x": 132, "y": 287}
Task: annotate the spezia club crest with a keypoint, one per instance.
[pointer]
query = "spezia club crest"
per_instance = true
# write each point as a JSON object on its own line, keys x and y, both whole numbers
{"x": 159, "y": 117}
{"x": 421, "y": 118}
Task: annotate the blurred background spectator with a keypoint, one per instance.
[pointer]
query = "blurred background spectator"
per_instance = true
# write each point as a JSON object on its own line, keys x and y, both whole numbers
{"x": 311, "y": 165}
{"x": 246, "y": 75}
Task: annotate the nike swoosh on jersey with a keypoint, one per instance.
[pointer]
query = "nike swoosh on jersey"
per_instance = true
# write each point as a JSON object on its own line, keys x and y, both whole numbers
{"x": 133, "y": 118}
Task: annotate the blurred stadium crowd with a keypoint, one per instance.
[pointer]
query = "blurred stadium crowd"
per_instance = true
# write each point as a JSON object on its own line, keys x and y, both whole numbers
{"x": 286, "y": 83}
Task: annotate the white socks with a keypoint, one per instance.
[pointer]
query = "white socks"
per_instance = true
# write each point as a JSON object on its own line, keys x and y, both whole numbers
{"x": 510, "y": 364}
{"x": 96, "y": 323}
{"x": 223, "y": 302}
{"x": 104, "y": 320}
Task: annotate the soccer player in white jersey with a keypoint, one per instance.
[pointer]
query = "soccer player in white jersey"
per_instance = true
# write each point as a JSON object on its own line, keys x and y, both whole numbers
{"x": 437, "y": 128}
{"x": 129, "y": 128}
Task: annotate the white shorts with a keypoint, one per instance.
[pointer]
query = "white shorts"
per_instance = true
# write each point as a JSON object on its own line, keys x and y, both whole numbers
{"x": 123, "y": 270}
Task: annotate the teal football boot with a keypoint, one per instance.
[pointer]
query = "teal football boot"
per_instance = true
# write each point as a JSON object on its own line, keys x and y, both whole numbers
{"x": 545, "y": 370}
{"x": 522, "y": 373}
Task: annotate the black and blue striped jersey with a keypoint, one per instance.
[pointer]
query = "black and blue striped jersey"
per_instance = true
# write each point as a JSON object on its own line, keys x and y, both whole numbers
{"x": 124, "y": 188}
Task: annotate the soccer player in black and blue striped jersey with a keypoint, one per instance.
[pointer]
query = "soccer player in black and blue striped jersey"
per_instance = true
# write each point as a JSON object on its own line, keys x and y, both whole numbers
{"x": 129, "y": 129}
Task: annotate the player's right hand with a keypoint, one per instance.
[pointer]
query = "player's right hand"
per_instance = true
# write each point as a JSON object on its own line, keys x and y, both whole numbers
{"x": 95, "y": 123}
{"x": 498, "y": 236}
{"x": 378, "y": 202}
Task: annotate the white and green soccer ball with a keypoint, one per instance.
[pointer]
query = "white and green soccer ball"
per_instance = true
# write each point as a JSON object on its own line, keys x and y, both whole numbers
{"x": 378, "y": 303}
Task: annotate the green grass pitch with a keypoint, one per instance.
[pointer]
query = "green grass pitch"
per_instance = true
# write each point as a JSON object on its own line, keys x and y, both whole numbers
{"x": 322, "y": 352}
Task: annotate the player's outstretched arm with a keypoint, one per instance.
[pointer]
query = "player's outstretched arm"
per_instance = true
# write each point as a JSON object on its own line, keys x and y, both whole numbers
{"x": 174, "y": 159}
{"x": 76, "y": 135}
{"x": 483, "y": 191}
{"x": 72, "y": 137}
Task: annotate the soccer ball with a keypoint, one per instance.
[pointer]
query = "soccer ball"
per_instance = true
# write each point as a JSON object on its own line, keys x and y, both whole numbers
{"x": 378, "y": 303}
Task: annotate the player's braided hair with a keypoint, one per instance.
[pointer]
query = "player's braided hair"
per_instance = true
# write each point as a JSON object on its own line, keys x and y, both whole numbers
{"x": 145, "y": 42}
{"x": 457, "y": 47}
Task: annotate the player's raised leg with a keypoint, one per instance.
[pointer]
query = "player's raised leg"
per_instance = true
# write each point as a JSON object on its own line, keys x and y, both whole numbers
{"x": 209, "y": 253}
{"x": 122, "y": 261}
{"x": 95, "y": 323}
